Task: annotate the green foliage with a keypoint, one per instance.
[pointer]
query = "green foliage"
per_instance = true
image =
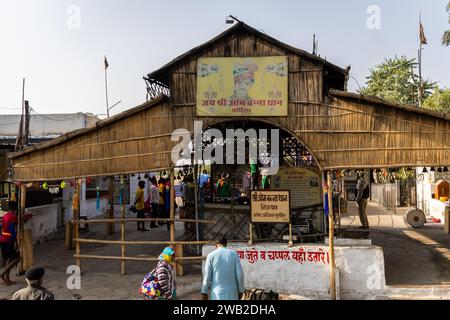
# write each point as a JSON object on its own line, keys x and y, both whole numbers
{"x": 395, "y": 80}
{"x": 439, "y": 100}
{"x": 405, "y": 173}
{"x": 446, "y": 35}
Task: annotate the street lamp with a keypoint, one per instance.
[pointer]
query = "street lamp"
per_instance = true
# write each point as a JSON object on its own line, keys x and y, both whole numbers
{"x": 230, "y": 19}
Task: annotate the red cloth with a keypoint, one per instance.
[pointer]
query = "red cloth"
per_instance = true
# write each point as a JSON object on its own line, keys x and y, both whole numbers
{"x": 8, "y": 219}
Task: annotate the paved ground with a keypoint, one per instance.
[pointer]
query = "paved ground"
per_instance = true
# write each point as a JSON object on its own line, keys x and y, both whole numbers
{"x": 417, "y": 261}
{"x": 101, "y": 279}
{"x": 413, "y": 257}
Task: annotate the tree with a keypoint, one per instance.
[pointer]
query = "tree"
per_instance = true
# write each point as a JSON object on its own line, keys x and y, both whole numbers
{"x": 439, "y": 100}
{"x": 395, "y": 80}
{"x": 446, "y": 35}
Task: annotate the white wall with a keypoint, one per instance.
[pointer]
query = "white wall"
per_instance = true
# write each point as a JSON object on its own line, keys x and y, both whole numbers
{"x": 41, "y": 126}
{"x": 43, "y": 222}
{"x": 437, "y": 209}
{"x": 432, "y": 208}
{"x": 88, "y": 207}
{"x": 361, "y": 270}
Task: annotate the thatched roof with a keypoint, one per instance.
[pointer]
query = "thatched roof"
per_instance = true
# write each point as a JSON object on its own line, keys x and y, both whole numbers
{"x": 162, "y": 74}
{"x": 83, "y": 131}
{"x": 376, "y": 100}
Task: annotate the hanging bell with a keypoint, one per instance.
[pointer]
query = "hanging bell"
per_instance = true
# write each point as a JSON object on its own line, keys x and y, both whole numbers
{"x": 432, "y": 169}
{"x": 439, "y": 169}
{"x": 424, "y": 170}
{"x": 139, "y": 176}
{"x": 146, "y": 176}
{"x": 445, "y": 169}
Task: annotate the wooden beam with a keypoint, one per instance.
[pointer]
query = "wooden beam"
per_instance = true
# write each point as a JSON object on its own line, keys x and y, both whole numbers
{"x": 146, "y": 219}
{"x": 20, "y": 227}
{"x": 122, "y": 229}
{"x": 76, "y": 215}
{"x": 331, "y": 237}
{"x": 89, "y": 256}
{"x": 139, "y": 242}
{"x": 110, "y": 226}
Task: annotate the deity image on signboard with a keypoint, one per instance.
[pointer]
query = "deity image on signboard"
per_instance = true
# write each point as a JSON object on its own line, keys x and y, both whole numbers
{"x": 244, "y": 79}
{"x": 242, "y": 86}
{"x": 314, "y": 182}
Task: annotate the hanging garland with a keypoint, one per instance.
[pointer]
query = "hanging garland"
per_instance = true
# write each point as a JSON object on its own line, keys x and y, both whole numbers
{"x": 54, "y": 189}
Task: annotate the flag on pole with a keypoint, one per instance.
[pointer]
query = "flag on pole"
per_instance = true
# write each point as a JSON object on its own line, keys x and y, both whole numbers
{"x": 423, "y": 39}
{"x": 106, "y": 63}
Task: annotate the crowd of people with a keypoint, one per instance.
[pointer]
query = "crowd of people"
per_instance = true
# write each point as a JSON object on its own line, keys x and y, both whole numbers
{"x": 157, "y": 204}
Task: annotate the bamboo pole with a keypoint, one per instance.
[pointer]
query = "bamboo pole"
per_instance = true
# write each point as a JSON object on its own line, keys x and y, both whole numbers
{"x": 94, "y": 159}
{"x": 68, "y": 244}
{"x": 94, "y": 221}
{"x": 250, "y": 237}
{"x": 172, "y": 205}
{"x": 137, "y": 242}
{"x": 76, "y": 214}
{"x": 110, "y": 226}
{"x": 331, "y": 237}
{"x": 122, "y": 225}
{"x": 89, "y": 256}
{"x": 291, "y": 243}
{"x": 20, "y": 227}
{"x": 196, "y": 205}
{"x": 178, "y": 249}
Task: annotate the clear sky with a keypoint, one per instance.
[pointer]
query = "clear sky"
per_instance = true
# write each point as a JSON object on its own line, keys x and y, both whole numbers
{"x": 58, "y": 45}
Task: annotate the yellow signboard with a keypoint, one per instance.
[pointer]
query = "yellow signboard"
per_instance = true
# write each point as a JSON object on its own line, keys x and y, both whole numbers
{"x": 270, "y": 206}
{"x": 254, "y": 86}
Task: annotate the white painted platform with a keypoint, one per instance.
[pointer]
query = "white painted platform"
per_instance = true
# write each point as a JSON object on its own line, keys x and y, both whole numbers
{"x": 305, "y": 270}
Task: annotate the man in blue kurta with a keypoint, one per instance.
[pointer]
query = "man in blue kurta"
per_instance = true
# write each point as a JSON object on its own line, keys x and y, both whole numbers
{"x": 223, "y": 274}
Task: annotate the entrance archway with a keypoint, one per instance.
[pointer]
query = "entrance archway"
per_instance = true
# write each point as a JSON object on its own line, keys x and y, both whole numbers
{"x": 296, "y": 163}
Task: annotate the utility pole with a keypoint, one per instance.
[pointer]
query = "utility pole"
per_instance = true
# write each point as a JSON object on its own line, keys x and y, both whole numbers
{"x": 315, "y": 45}
{"x": 19, "y": 139}
{"x": 27, "y": 124}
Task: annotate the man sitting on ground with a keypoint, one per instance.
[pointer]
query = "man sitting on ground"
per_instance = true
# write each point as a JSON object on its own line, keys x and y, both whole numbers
{"x": 34, "y": 289}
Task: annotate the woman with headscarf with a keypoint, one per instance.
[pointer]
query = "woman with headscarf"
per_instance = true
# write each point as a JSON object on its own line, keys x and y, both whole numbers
{"x": 165, "y": 274}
